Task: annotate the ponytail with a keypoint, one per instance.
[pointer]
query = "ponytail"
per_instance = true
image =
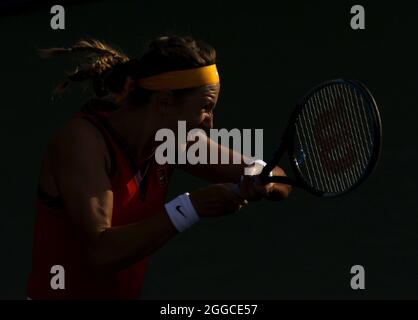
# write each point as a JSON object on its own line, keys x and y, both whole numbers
{"x": 98, "y": 62}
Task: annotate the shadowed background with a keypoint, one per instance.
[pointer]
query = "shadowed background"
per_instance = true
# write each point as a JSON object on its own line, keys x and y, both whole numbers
{"x": 268, "y": 56}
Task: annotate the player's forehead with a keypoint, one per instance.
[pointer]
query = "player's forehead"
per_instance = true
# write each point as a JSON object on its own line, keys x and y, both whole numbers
{"x": 209, "y": 91}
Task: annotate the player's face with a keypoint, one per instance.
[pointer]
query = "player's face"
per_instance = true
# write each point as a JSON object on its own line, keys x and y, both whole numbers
{"x": 196, "y": 107}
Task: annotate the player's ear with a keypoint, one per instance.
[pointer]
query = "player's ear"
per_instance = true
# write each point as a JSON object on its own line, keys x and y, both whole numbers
{"x": 128, "y": 87}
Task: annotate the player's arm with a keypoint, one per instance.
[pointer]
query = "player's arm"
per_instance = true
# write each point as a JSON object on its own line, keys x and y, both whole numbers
{"x": 233, "y": 172}
{"x": 79, "y": 162}
{"x": 79, "y": 166}
{"x": 218, "y": 172}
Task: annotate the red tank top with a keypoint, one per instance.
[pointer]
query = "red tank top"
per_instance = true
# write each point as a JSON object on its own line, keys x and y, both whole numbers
{"x": 135, "y": 198}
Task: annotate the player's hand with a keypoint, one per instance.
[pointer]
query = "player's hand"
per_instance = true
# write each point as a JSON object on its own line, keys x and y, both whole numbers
{"x": 252, "y": 188}
{"x": 216, "y": 200}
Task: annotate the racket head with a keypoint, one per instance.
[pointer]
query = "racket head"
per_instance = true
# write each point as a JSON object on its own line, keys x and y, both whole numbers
{"x": 334, "y": 138}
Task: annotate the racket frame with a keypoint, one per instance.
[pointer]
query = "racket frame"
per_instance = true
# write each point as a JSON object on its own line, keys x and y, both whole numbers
{"x": 287, "y": 143}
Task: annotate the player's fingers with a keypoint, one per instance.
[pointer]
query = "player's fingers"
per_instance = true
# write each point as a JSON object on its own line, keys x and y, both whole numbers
{"x": 250, "y": 190}
{"x": 278, "y": 191}
{"x": 236, "y": 201}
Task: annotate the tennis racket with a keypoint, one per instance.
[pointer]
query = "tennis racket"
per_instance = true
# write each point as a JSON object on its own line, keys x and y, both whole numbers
{"x": 333, "y": 140}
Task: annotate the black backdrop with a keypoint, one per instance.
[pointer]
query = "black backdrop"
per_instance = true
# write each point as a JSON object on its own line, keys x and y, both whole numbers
{"x": 269, "y": 54}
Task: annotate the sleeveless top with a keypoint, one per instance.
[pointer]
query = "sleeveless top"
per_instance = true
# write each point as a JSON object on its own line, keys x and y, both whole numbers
{"x": 136, "y": 196}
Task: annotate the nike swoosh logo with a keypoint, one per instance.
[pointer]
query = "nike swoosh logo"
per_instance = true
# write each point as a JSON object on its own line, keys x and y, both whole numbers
{"x": 178, "y": 209}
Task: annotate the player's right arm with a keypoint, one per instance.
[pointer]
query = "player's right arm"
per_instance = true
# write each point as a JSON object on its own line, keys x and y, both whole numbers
{"x": 80, "y": 165}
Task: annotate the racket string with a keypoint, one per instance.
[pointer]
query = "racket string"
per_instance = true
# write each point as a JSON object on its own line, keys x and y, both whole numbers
{"x": 356, "y": 114}
{"x": 336, "y": 131}
{"x": 307, "y": 116}
{"x": 331, "y": 153}
{"x": 364, "y": 117}
{"x": 313, "y": 114}
{"x": 344, "y": 133}
{"x": 307, "y": 148}
{"x": 354, "y": 148}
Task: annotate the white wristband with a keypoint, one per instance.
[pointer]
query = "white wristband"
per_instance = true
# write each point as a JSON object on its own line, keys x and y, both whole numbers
{"x": 251, "y": 170}
{"x": 260, "y": 162}
{"x": 181, "y": 212}
{"x": 255, "y": 168}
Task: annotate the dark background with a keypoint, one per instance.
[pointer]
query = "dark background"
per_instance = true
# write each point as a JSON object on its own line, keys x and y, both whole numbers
{"x": 269, "y": 55}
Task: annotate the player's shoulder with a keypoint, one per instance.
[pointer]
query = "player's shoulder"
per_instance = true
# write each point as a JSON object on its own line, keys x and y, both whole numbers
{"x": 78, "y": 136}
{"x": 77, "y": 130}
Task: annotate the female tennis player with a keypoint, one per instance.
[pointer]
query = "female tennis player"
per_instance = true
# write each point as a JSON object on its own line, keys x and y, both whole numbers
{"x": 101, "y": 207}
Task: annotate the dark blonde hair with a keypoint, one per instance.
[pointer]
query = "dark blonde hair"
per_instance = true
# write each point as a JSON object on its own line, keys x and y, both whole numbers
{"x": 109, "y": 68}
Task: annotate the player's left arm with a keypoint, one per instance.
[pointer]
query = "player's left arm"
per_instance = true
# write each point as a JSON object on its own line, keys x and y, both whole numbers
{"x": 218, "y": 173}
{"x": 230, "y": 172}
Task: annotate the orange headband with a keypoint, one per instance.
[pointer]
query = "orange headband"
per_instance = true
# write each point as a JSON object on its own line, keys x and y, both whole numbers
{"x": 181, "y": 79}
